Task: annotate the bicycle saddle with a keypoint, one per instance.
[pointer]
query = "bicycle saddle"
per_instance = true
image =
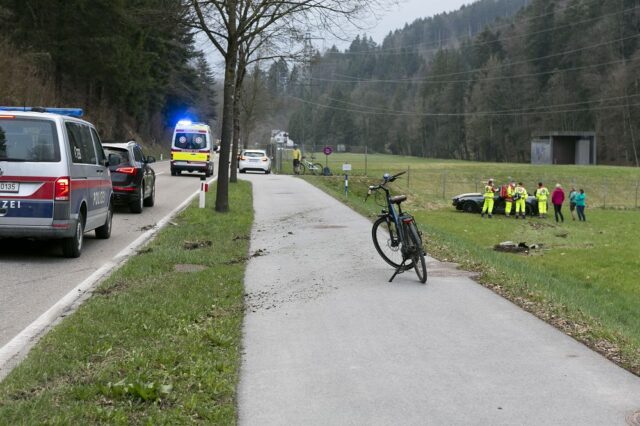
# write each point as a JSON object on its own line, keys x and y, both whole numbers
{"x": 398, "y": 199}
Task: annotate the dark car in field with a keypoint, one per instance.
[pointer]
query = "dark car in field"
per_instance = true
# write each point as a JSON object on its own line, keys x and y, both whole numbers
{"x": 472, "y": 203}
{"x": 134, "y": 181}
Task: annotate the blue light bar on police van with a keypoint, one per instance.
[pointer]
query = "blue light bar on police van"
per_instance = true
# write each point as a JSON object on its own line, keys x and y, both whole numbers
{"x": 71, "y": 112}
{"x": 184, "y": 123}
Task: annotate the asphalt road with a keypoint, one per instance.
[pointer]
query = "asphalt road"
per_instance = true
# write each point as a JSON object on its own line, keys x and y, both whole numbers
{"x": 34, "y": 275}
{"x": 328, "y": 341}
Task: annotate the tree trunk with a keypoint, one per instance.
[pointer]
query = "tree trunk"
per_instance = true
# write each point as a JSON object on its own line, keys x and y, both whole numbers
{"x": 236, "y": 139}
{"x": 222, "y": 192}
{"x": 241, "y": 72}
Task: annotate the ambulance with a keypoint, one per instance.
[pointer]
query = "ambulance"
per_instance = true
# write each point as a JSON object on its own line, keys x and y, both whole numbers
{"x": 192, "y": 148}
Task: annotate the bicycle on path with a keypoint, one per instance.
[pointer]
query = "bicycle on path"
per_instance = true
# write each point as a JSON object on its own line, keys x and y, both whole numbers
{"x": 306, "y": 165}
{"x": 395, "y": 233}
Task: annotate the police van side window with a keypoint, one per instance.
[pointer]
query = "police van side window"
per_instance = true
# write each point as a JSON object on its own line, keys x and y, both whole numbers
{"x": 97, "y": 144}
{"x": 80, "y": 143}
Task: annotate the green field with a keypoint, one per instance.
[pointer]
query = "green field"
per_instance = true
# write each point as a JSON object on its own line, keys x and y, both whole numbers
{"x": 159, "y": 340}
{"x": 439, "y": 180}
{"x": 584, "y": 279}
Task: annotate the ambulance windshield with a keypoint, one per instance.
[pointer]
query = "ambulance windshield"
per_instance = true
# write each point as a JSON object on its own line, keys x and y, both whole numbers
{"x": 190, "y": 141}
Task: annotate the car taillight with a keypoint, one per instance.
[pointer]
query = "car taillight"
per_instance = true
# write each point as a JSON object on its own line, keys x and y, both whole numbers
{"x": 62, "y": 189}
{"x": 265, "y": 159}
{"x": 7, "y": 116}
{"x": 127, "y": 170}
{"x": 242, "y": 158}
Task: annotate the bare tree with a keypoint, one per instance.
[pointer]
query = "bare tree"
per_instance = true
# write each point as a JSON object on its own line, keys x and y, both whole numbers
{"x": 230, "y": 23}
{"x": 272, "y": 43}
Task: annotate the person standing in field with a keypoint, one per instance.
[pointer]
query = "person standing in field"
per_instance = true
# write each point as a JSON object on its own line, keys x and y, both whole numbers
{"x": 572, "y": 202}
{"x": 489, "y": 192}
{"x": 581, "y": 203}
{"x": 520, "y": 198}
{"x": 511, "y": 191}
{"x": 557, "y": 198}
{"x": 542, "y": 193}
{"x": 297, "y": 156}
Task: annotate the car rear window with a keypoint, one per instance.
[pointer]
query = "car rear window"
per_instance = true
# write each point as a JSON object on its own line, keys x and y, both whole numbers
{"x": 122, "y": 154}
{"x": 190, "y": 141}
{"x": 23, "y": 139}
{"x": 254, "y": 154}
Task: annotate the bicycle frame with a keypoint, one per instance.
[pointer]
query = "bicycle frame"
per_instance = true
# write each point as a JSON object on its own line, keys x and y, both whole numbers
{"x": 399, "y": 218}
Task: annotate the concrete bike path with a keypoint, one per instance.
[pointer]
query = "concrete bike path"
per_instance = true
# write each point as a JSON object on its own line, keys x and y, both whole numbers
{"x": 328, "y": 341}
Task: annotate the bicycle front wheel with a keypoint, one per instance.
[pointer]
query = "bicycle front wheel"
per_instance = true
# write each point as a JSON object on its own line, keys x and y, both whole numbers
{"x": 419, "y": 264}
{"x": 302, "y": 169}
{"x": 317, "y": 169}
{"x": 387, "y": 242}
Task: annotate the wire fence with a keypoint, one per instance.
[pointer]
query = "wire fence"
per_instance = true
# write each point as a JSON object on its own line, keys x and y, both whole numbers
{"x": 615, "y": 192}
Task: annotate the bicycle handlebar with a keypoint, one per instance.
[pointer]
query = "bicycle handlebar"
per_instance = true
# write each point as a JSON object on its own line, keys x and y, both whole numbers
{"x": 386, "y": 179}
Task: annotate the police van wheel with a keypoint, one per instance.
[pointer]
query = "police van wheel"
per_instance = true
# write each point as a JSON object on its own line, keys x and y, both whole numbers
{"x": 137, "y": 204}
{"x": 104, "y": 232}
{"x": 72, "y": 247}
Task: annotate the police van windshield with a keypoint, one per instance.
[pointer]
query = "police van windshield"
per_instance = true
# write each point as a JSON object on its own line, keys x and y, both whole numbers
{"x": 190, "y": 141}
{"x": 28, "y": 140}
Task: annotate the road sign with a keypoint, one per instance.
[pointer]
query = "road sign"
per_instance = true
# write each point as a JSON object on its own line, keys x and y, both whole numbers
{"x": 346, "y": 167}
{"x": 327, "y": 150}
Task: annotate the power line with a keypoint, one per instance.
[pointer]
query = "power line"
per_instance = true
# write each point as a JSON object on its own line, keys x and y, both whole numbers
{"x": 528, "y": 109}
{"x": 507, "y": 64}
{"x": 402, "y": 50}
{"x": 470, "y": 80}
{"x": 461, "y": 114}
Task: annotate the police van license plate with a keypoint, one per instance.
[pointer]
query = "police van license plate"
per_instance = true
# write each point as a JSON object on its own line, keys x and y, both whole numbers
{"x": 9, "y": 187}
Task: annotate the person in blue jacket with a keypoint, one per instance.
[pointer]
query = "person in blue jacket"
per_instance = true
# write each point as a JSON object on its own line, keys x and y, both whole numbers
{"x": 581, "y": 199}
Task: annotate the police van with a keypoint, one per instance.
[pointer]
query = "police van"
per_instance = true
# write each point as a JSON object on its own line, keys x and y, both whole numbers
{"x": 54, "y": 179}
{"x": 192, "y": 148}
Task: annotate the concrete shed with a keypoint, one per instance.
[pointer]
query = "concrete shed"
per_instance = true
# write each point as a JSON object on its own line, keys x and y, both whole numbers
{"x": 564, "y": 148}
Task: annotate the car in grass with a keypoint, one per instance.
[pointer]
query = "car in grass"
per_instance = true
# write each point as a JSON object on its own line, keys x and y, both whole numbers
{"x": 472, "y": 202}
{"x": 254, "y": 160}
{"x": 134, "y": 181}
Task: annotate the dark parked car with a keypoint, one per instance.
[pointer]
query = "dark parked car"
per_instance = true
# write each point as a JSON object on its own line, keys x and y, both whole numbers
{"x": 134, "y": 182}
{"x": 472, "y": 203}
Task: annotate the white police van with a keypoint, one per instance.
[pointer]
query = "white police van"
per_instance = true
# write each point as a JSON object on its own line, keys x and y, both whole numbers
{"x": 54, "y": 179}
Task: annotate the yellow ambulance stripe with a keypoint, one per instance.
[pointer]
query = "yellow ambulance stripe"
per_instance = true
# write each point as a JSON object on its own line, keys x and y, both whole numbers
{"x": 189, "y": 156}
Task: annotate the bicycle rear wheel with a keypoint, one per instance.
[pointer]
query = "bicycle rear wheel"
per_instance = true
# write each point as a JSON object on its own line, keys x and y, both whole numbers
{"x": 317, "y": 169}
{"x": 387, "y": 242}
{"x": 302, "y": 169}
{"x": 419, "y": 263}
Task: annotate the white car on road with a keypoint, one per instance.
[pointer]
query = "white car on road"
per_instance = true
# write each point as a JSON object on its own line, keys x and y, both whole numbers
{"x": 254, "y": 160}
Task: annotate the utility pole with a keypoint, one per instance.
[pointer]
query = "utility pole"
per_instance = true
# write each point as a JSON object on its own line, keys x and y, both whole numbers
{"x": 307, "y": 58}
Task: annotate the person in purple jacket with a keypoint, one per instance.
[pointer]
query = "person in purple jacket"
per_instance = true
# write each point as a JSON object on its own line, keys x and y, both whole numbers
{"x": 557, "y": 198}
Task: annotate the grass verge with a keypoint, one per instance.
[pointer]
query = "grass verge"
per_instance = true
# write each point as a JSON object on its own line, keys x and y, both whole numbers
{"x": 584, "y": 282}
{"x": 157, "y": 343}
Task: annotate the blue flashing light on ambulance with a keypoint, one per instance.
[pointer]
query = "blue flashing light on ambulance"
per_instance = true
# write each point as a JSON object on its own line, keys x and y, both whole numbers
{"x": 54, "y": 179}
{"x": 192, "y": 148}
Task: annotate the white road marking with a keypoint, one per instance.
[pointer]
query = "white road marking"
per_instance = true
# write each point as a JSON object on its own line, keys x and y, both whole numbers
{"x": 18, "y": 347}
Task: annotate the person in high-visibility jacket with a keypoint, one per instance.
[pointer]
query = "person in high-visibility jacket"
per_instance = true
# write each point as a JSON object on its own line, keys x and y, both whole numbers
{"x": 520, "y": 198}
{"x": 542, "y": 193}
{"x": 489, "y": 192}
{"x": 511, "y": 191}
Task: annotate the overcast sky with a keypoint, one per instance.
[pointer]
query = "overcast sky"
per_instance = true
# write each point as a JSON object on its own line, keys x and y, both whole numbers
{"x": 405, "y": 13}
{"x": 393, "y": 18}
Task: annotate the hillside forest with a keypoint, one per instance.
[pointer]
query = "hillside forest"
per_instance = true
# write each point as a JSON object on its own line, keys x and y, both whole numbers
{"x": 474, "y": 84}
{"x": 129, "y": 64}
